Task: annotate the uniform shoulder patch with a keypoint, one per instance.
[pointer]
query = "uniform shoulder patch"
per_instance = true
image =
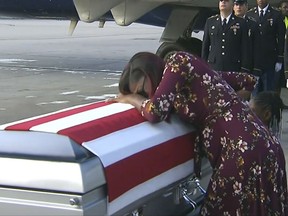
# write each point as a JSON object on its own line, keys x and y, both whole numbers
{"x": 252, "y": 9}
{"x": 214, "y": 16}
{"x": 275, "y": 8}
{"x": 251, "y": 18}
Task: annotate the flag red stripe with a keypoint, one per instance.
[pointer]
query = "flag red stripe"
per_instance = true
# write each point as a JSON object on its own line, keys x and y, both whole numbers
{"x": 24, "y": 126}
{"x": 103, "y": 126}
{"x": 142, "y": 166}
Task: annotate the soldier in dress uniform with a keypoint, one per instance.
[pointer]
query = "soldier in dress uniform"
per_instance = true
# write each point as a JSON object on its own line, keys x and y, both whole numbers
{"x": 240, "y": 9}
{"x": 272, "y": 33}
{"x": 225, "y": 40}
{"x": 283, "y": 7}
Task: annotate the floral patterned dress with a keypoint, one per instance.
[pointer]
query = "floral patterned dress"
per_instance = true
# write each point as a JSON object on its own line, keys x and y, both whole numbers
{"x": 249, "y": 176}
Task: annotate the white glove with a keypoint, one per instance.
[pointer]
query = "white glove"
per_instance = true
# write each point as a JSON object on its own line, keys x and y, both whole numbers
{"x": 278, "y": 66}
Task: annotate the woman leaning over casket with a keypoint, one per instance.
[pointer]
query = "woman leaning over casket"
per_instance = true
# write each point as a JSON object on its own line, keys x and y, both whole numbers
{"x": 249, "y": 176}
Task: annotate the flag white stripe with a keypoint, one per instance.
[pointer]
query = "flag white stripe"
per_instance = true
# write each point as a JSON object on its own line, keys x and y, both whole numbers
{"x": 82, "y": 117}
{"x": 126, "y": 142}
{"x": 170, "y": 176}
{"x": 2, "y": 127}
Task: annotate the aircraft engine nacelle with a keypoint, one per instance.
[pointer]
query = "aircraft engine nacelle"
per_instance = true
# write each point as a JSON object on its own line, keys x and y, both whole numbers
{"x": 131, "y": 10}
{"x": 90, "y": 10}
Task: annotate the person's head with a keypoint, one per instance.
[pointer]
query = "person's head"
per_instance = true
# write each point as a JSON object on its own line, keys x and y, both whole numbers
{"x": 283, "y": 6}
{"x": 142, "y": 74}
{"x": 268, "y": 106}
{"x": 262, "y": 3}
{"x": 240, "y": 7}
{"x": 226, "y": 6}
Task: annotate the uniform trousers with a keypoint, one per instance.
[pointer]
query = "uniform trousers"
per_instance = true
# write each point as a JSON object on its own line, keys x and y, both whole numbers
{"x": 269, "y": 80}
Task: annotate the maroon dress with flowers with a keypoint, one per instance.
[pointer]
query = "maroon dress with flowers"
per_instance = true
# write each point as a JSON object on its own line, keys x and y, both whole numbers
{"x": 249, "y": 176}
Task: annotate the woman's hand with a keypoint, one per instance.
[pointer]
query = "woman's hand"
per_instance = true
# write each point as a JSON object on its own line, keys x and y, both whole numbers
{"x": 119, "y": 98}
{"x": 134, "y": 99}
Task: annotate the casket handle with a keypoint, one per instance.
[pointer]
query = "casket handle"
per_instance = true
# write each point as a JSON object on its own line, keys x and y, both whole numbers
{"x": 189, "y": 188}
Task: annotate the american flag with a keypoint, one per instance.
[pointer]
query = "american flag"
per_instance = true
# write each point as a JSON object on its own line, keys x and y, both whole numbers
{"x": 138, "y": 157}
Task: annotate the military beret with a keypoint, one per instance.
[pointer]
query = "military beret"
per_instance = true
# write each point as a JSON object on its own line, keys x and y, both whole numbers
{"x": 240, "y": 1}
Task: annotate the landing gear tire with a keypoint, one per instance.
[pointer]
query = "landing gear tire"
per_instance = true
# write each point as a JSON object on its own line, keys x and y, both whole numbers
{"x": 167, "y": 49}
{"x": 191, "y": 45}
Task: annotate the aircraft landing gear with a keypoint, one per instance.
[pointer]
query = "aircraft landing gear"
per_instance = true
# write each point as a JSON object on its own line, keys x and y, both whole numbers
{"x": 167, "y": 49}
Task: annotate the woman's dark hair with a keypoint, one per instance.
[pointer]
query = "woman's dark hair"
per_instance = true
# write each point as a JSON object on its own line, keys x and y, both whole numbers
{"x": 271, "y": 101}
{"x": 142, "y": 64}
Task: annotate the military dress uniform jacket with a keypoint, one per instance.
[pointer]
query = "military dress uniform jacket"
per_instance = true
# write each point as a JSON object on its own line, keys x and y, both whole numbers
{"x": 226, "y": 49}
{"x": 272, "y": 36}
{"x": 253, "y": 45}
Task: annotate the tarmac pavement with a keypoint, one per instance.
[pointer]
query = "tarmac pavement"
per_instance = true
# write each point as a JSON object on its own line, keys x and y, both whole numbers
{"x": 43, "y": 69}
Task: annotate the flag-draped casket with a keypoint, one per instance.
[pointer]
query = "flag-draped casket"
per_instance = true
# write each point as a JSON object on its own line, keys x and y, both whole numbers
{"x": 94, "y": 159}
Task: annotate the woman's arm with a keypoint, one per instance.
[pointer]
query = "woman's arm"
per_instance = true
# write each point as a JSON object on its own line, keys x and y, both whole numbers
{"x": 240, "y": 81}
{"x": 177, "y": 74}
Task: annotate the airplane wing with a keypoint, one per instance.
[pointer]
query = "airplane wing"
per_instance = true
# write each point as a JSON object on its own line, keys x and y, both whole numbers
{"x": 178, "y": 17}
